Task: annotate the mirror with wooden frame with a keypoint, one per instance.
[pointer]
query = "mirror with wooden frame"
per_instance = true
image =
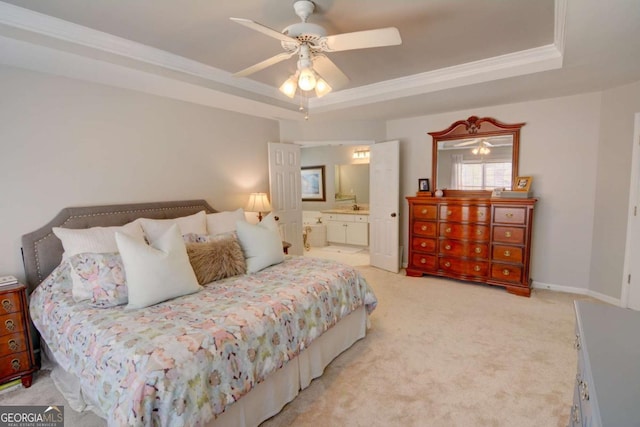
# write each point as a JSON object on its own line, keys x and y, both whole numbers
{"x": 473, "y": 156}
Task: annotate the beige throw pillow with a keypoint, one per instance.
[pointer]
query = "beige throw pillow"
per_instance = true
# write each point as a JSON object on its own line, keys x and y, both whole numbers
{"x": 219, "y": 258}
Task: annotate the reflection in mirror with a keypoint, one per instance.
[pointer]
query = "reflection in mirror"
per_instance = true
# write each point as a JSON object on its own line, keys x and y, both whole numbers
{"x": 352, "y": 183}
{"x": 475, "y": 163}
{"x": 475, "y": 155}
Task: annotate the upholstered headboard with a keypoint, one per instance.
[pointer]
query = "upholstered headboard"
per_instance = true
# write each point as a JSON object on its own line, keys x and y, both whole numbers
{"x": 42, "y": 250}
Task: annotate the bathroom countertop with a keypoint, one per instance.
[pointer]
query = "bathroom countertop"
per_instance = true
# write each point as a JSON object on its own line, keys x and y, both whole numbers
{"x": 346, "y": 211}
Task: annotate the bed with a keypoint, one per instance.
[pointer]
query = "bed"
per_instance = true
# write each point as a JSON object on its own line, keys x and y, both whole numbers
{"x": 232, "y": 354}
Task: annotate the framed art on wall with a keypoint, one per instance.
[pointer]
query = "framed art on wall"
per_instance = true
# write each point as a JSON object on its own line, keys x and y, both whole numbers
{"x": 312, "y": 187}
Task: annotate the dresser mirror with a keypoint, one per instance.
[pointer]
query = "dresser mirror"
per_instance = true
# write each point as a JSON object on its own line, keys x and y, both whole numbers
{"x": 474, "y": 156}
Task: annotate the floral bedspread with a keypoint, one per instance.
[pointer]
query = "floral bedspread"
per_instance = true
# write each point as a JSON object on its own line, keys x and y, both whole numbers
{"x": 183, "y": 361}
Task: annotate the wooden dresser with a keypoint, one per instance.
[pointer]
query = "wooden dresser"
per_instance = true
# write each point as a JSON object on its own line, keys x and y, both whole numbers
{"x": 478, "y": 239}
{"x": 16, "y": 352}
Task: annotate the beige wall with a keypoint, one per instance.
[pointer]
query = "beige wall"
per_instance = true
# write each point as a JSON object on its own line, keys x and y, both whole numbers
{"x": 69, "y": 143}
{"x": 558, "y": 144}
{"x": 613, "y": 172}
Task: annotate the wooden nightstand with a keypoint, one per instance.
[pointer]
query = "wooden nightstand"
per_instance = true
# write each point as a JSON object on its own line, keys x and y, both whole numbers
{"x": 16, "y": 352}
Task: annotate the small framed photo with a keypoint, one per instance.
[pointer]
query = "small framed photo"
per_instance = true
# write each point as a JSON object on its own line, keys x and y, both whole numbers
{"x": 313, "y": 184}
{"x": 523, "y": 183}
{"x": 423, "y": 184}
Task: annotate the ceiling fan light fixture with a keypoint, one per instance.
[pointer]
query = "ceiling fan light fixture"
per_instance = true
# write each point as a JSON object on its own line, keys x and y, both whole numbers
{"x": 322, "y": 87}
{"x": 307, "y": 80}
{"x": 290, "y": 86}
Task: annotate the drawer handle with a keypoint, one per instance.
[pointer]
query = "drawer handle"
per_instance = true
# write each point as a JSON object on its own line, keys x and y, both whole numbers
{"x": 448, "y": 247}
{"x": 476, "y": 268}
{"x": 479, "y": 233}
{"x": 10, "y": 325}
{"x": 477, "y": 250}
{"x": 507, "y": 234}
{"x": 15, "y": 364}
{"x": 480, "y": 213}
{"x": 575, "y": 414}
{"x": 423, "y": 244}
{"x": 424, "y": 228}
{"x": 13, "y": 345}
{"x": 448, "y": 213}
{"x": 505, "y": 272}
{"x": 423, "y": 261}
{"x": 507, "y": 253}
{"x": 7, "y": 305}
{"x": 509, "y": 215}
{"x": 424, "y": 211}
{"x": 447, "y": 230}
{"x": 447, "y": 264}
{"x": 584, "y": 390}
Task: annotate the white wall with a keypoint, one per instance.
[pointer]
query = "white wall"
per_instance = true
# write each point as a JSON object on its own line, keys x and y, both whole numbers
{"x": 558, "y": 149}
{"x": 70, "y": 143}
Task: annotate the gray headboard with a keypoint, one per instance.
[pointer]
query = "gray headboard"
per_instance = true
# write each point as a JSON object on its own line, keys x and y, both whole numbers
{"x": 42, "y": 250}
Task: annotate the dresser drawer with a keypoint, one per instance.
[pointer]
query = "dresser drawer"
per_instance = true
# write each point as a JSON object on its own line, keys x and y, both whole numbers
{"x": 506, "y": 273}
{"x": 508, "y": 235}
{"x": 464, "y": 249}
{"x": 10, "y": 302}
{"x": 14, "y": 364}
{"x": 11, "y": 323}
{"x": 14, "y": 343}
{"x": 464, "y": 267}
{"x": 425, "y": 211}
{"x": 424, "y": 245}
{"x": 510, "y": 215}
{"x": 424, "y": 228}
{"x": 507, "y": 253}
{"x": 424, "y": 262}
{"x": 464, "y": 231}
{"x": 464, "y": 213}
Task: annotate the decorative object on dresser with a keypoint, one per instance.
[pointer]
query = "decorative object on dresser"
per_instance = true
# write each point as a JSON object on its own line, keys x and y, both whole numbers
{"x": 423, "y": 185}
{"x": 606, "y": 391}
{"x": 476, "y": 239}
{"x": 523, "y": 183}
{"x": 16, "y": 352}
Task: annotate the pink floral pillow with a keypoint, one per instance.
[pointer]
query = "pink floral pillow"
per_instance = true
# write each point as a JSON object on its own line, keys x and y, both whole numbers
{"x": 102, "y": 278}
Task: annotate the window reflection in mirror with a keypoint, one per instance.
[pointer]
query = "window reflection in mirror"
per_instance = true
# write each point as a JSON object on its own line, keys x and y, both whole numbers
{"x": 482, "y": 163}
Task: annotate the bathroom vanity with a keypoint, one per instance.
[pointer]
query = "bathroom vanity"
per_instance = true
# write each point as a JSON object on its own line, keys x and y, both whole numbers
{"x": 347, "y": 227}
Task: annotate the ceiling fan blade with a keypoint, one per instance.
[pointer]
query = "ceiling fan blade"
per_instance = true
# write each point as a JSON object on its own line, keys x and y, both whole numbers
{"x": 468, "y": 142}
{"x": 330, "y": 72}
{"x": 264, "y": 64}
{"x": 362, "y": 39}
{"x": 265, "y": 30}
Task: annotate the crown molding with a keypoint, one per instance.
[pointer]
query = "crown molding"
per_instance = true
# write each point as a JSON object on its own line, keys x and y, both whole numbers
{"x": 534, "y": 60}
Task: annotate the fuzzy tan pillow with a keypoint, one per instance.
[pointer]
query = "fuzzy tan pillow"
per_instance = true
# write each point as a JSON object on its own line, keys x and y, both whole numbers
{"x": 216, "y": 259}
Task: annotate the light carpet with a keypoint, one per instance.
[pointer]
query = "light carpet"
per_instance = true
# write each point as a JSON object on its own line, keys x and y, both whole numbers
{"x": 438, "y": 353}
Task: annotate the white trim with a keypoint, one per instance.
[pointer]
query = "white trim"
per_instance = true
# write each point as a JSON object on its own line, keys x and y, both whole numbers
{"x": 339, "y": 142}
{"x": 633, "y": 192}
{"x": 560, "y": 22}
{"x": 574, "y": 290}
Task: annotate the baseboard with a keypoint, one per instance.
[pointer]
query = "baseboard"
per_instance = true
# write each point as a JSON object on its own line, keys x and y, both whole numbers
{"x": 579, "y": 291}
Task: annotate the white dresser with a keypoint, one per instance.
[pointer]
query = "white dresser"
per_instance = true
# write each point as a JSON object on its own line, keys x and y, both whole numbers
{"x": 607, "y": 388}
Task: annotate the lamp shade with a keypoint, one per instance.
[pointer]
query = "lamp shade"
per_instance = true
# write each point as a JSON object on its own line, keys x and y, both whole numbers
{"x": 258, "y": 202}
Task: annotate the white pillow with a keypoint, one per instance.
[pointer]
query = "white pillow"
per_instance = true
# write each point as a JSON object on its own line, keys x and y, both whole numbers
{"x": 97, "y": 240}
{"x": 154, "y": 228}
{"x": 224, "y": 222}
{"x": 261, "y": 243}
{"x": 156, "y": 273}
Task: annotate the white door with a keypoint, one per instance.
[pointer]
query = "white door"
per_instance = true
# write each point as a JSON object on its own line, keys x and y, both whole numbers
{"x": 384, "y": 203}
{"x": 631, "y": 279}
{"x": 286, "y": 198}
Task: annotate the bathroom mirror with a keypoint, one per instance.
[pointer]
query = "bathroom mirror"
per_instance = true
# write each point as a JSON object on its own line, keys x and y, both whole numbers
{"x": 352, "y": 183}
{"x": 474, "y": 156}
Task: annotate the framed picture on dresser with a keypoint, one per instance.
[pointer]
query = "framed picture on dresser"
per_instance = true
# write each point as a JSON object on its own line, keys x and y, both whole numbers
{"x": 523, "y": 183}
{"x": 423, "y": 184}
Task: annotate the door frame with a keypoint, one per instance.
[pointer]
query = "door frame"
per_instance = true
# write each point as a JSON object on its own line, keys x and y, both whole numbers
{"x": 631, "y": 218}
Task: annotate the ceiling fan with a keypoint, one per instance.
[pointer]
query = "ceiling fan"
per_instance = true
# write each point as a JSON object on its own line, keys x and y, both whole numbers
{"x": 315, "y": 71}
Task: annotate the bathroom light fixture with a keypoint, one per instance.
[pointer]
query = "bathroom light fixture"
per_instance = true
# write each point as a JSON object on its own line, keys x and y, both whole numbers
{"x": 361, "y": 154}
{"x": 258, "y": 202}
